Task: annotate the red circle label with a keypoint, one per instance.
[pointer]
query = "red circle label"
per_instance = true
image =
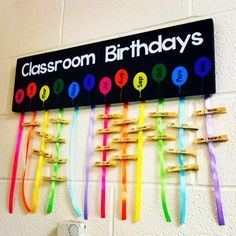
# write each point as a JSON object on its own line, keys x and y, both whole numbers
{"x": 121, "y": 78}
{"x": 31, "y": 90}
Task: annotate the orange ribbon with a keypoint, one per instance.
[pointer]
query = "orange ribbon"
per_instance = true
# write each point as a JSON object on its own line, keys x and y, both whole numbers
{"x": 26, "y": 205}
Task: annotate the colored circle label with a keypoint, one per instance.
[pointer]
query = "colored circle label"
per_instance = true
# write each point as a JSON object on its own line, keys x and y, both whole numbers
{"x": 121, "y": 78}
{"x": 19, "y": 96}
{"x": 73, "y": 90}
{"x": 44, "y": 93}
{"x": 140, "y": 81}
{"x": 58, "y": 86}
{"x": 105, "y": 85}
{"x": 159, "y": 72}
{"x": 89, "y": 82}
{"x": 202, "y": 66}
{"x": 31, "y": 90}
{"x": 179, "y": 76}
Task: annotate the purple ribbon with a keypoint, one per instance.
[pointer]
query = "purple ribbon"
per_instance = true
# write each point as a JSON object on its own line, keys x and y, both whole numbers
{"x": 89, "y": 159}
{"x": 214, "y": 172}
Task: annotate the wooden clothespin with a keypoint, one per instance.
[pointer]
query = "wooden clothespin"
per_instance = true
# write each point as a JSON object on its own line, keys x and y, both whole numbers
{"x": 183, "y": 126}
{"x": 125, "y": 122}
{"x": 125, "y": 157}
{"x": 41, "y": 153}
{"x": 219, "y": 138}
{"x": 141, "y": 128}
{"x": 171, "y": 169}
{"x": 54, "y": 160}
{"x": 53, "y": 139}
{"x": 211, "y": 111}
{"x": 163, "y": 114}
{"x": 58, "y": 120}
{"x": 34, "y": 123}
{"x": 125, "y": 140}
{"x": 181, "y": 151}
{"x": 108, "y": 130}
{"x": 107, "y": 147}
{"x": 161, "y": 137}
{"x": 109, "y": 116}
{"x": 105, "y": 164}
{"x": 42, "y": 134}
{"x": 55, "y": 178}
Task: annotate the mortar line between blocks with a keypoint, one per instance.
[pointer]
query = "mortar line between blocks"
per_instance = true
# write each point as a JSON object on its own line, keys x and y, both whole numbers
{"x": 112, "y": 210}
{"x": 190, "y": 9}
{"x": 61, "y": 22}
{"x": 148, "y": 184}
{"x": 194, "y": 175}
{"x": 9, "y": 92}
{"x": 128, "y": 32}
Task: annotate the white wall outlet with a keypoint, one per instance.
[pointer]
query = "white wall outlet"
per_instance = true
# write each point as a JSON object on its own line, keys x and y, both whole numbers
{"x": 71, "y": 228}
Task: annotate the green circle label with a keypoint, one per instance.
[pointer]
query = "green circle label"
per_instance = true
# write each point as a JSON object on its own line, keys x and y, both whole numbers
{"x": 159, "y": 72}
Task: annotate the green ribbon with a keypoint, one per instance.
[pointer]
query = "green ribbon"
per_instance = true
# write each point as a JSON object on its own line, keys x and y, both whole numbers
{"x": 161, "y": 155}
{"x": 56, "y": 165}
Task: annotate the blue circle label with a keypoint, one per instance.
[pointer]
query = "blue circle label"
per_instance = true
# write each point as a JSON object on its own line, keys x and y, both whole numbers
{"x": 73, "y": 90}
{"x": 179, "y": 76}
{"x": 89, "y": 82}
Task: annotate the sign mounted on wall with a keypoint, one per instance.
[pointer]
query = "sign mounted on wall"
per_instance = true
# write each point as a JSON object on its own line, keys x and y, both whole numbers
{"x": 173, "y": 62}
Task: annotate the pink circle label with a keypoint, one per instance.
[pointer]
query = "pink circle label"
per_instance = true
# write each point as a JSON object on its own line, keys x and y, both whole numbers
{"x": 19, "y": 96}
{"x": 105, "y": 85}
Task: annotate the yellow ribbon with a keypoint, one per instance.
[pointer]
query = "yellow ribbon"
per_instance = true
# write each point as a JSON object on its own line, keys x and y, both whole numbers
{"x": 40, "y": 166}
{"x": 139, "y": 164}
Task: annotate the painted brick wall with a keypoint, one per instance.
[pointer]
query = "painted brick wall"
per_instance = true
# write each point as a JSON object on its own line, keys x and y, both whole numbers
{"x": 30, "y": 27}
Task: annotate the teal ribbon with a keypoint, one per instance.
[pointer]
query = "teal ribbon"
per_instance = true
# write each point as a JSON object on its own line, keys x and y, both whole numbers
{"x": 71, "y": 193}
{"x": 181, "y": 161}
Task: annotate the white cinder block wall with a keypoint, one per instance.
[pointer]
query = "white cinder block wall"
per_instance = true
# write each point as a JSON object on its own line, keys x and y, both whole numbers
{"x": 31, "y": 27}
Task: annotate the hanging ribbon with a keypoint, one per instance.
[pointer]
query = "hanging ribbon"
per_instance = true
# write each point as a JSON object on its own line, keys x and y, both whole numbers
{"x": 25, "y": 203}
{"x": 181, "y": 162}
{"x": 139, "y": 164}
{"x": 71, "y": 193}
{"x": 40, "y": 165}
{"x": 15, "y": 162}
{"x": 214, "y": 172}
{"x": 89, "y": 159}
{"x": 56, "y": 165}
{"x": 161, "y": 155}
{"x": 123, "y": 165}
{"x": 104, "y": 158}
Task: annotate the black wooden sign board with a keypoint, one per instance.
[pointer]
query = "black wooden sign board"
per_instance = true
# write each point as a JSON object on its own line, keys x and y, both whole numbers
{"x": 172, "y": 62}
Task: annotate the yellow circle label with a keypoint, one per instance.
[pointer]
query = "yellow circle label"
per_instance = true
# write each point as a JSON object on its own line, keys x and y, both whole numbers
{"x": 140, "y": 81}
{"x": 44, "y": 93}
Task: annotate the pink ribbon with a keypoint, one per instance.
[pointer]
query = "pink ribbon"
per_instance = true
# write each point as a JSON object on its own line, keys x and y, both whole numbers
{"x": 15, "y": 162}
{"x": 104, "y": 170}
